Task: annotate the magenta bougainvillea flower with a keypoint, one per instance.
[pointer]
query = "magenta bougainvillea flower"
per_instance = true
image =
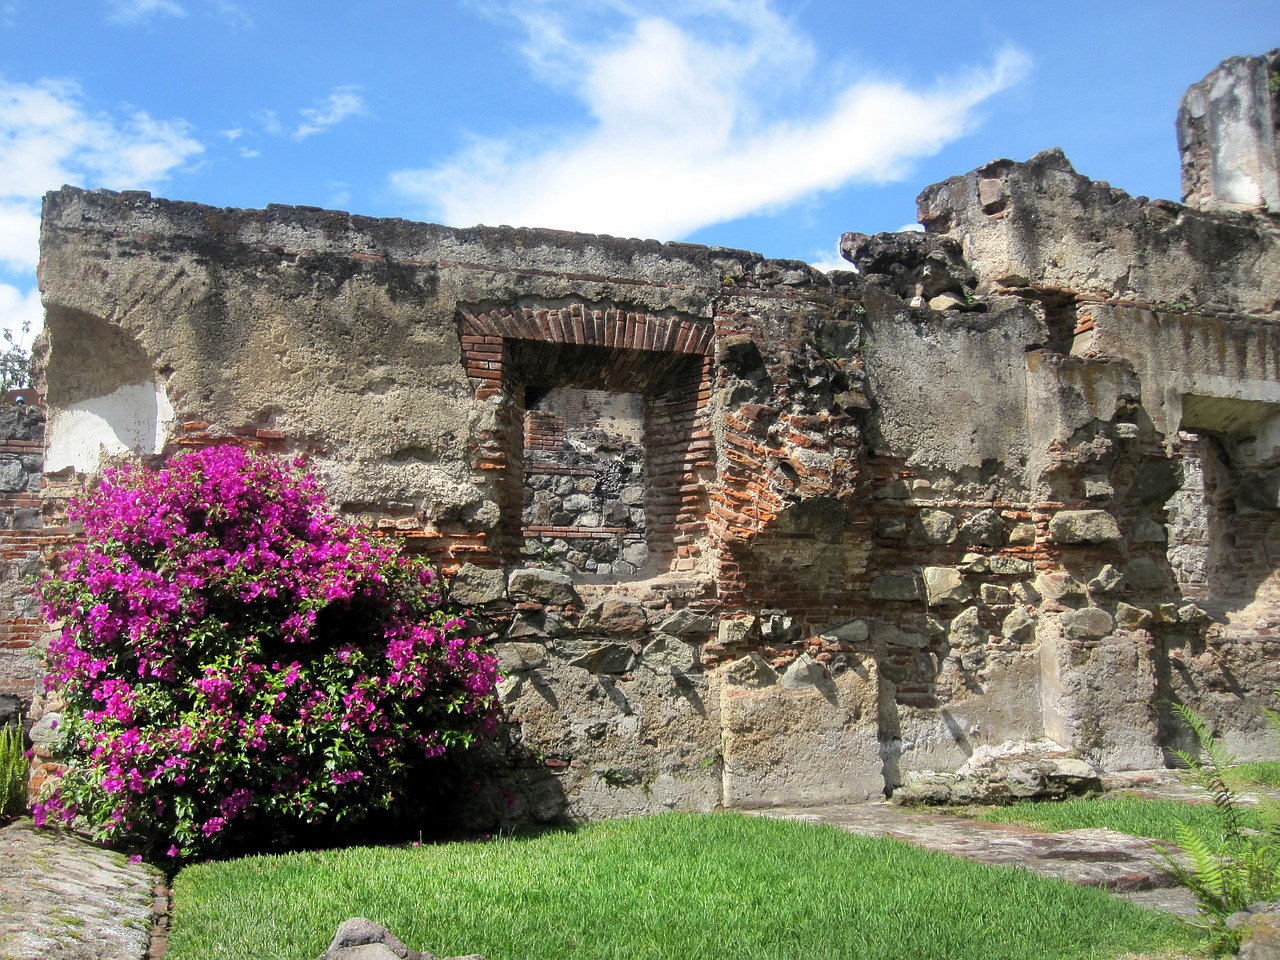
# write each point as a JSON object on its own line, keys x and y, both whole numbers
{"x": 235, "y": 659}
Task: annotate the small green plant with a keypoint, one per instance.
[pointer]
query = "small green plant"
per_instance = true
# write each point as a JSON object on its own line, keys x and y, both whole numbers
{"x": 13, "y": 772}
{"x": 15, "y": 359}
{"x": 1244, "y": 867}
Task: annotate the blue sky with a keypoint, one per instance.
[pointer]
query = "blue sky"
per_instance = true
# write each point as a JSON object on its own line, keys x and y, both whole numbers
{"x": 748, "y": 123}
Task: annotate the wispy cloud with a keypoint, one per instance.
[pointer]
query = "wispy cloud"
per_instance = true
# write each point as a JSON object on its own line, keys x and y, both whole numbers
{"x": 233, "y": 13}
{"x": 135, "y": 11}
{"x": 693, "y": 119}
{"x": 48, "y": 138}
{"x": 344, "y": 102}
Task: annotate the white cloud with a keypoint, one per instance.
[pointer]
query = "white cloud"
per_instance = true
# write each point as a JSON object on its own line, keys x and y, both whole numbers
{"x": 828, "y": 260}
{"x": 696, "y": 119}
{"x": 19, "y": 234}
{"x": 48, "y": 138}
{"x": 18, "y": 309}
{"x": 344, "y": 102}
{"x": 133, "y": 11}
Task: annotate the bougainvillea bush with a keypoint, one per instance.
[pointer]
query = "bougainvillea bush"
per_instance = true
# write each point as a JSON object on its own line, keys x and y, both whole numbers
{"x": 238, "y": 663}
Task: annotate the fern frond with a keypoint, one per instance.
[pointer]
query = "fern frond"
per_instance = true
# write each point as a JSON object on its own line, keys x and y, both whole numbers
{"x": 1206, "y": 876}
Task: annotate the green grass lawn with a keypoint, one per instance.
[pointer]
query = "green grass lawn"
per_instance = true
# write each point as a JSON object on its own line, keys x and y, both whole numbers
{"x": 1139, "y": 816}
{"x": 1259, "y": 773}
{"x": 678, "y": 886}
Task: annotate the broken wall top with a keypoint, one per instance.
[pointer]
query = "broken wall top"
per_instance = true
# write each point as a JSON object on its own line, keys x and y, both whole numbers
{"x": 1040, "y": 224}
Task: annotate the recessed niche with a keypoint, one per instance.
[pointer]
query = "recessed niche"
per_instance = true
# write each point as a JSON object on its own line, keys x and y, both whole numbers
{"x": 600, "y": 441}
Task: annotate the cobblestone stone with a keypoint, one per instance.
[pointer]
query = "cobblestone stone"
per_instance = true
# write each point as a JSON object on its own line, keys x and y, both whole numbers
{"x": 64, "y": 898}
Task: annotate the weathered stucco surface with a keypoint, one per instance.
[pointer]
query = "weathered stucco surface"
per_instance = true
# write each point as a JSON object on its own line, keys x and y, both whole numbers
{"x": 1012, "y": 478}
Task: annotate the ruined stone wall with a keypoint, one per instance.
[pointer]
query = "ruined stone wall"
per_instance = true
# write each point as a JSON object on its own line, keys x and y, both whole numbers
{"x": 742, "y": 532}
{"x": 21, "y": 539}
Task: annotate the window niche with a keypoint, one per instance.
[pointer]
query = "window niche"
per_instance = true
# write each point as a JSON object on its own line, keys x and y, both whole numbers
{"x": 600, "y": 446}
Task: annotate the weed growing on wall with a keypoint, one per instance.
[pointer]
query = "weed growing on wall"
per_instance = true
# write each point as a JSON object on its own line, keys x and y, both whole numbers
{"x": 239, "y": 665}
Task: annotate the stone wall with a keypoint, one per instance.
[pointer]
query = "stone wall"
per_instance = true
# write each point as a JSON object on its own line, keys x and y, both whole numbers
{"x": 21, "y": 539}
{"x": 743, "y": 532}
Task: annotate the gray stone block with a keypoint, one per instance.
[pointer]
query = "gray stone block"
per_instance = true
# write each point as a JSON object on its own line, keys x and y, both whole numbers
{"x": 1089, "y": 623}
{"x": 542, "y": 586}
{"x": 1083, "y": 526}
{"x": 475, "y": 586}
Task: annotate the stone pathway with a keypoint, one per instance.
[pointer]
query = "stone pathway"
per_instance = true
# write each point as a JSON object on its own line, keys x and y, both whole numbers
{"x": 63, "y": 898}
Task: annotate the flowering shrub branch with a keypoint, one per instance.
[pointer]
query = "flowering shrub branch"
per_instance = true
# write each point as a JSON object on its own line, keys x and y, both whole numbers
{"x": 235, "y": 661}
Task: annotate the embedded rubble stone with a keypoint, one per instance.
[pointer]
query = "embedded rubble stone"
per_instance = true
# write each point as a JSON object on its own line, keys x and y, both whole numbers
{"x": 515, "y": 657}
{"x": 1088, "y": 623}
{"x": 684, "y": 622}
{"x": 1011, "y": 771}
{"x": 813, "y": 740}
{"x": 475, "y": 586}
{"x": 1190, "y": 613}
{"x": 984, "y": 528}
{"x": 615, "y": 617}
{"x": 1025, "y": 593}
{"x": 966, "y": 631}
{"x": 779, "y": 629}
{"x": 543, "y": 586}
{"x": 1022, "y": 535}
{"x": 994, "y": 595}
{"x": 944, "y": 585}
{"x": 751, "y": 671}
{"x": 948, "y": 301}
{"x": 1083, "y": 526}
{"x": 1106, "y": 579}
{"x": 1098, "y": 490}
{"x": 536, "y": 625}
{"x": 1059, "y": 586}
{"x": 736, "y": 630}
{"x": 803, "y": 673}
{"x": 935, "y": 526}
{"x": 1019, "y": 626}
{"x": 668, "y": 654}
{"x": 601, "y": 657}
{"x": 1129, "y": 617}
{"x": 1010, "y": 567}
